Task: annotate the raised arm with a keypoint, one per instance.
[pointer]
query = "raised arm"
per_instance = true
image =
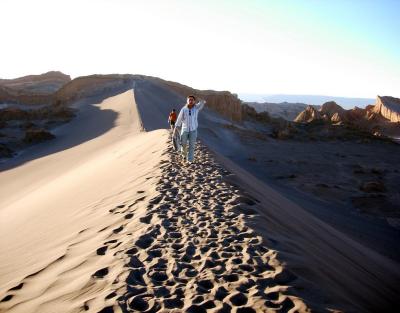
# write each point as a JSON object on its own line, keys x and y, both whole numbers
{"x": 200, "y": 104}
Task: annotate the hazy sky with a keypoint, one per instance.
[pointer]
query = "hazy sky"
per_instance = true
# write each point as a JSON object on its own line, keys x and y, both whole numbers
{"x": 342, "y": 47}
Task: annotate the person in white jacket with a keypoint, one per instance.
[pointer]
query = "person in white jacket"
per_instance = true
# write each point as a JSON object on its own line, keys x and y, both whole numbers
{"x": 187, "y": 118}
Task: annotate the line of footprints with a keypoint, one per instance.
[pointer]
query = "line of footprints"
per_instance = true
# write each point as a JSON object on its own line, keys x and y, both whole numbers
{"x": 197, "y": 254}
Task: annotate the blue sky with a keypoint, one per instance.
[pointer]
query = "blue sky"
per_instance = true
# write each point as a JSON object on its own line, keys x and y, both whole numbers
{"x": 370, "y": 27}
{"x": 338, "y": 48}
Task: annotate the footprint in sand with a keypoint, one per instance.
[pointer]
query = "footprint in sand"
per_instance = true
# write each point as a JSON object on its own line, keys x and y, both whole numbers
{"x": 7, "y": 298}
{"x": 128, "y": 216}
{"x": 101, "y": 273}
{"x": 146, "y": 219}
{"x": 144, "y": 241}
{"x": 108, "y": 309}
{"x": 136, "y": 201}
{"x": 115, "y": 210}
{"x": 118, "y": 230}
{"x": 102, "y": 250}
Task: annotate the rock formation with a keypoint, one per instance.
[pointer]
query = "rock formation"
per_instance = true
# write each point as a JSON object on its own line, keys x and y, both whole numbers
{"x": 382, "y": 118}
{"x": 249, "y": 112}
{"x": 46, "y": 83}
{"x": 333, "y": 112}
{"x": 388, "y": 107}
{"x": 9, "y": 95}
{"x": 385, "y": 107}
{"x": 355, "y": 114}
{"x": 337, "y": 118}
{"x": 330, "y": 108}
{"x": 47, "y": 112}
{"x": 223, "y": 102}
{"x": 308, "y": 115}
{"x": 32, "y": 89}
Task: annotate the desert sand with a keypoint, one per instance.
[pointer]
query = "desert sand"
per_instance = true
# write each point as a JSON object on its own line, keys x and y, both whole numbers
{"x": 55, "y": 211}
{"x": 109, "y": 219}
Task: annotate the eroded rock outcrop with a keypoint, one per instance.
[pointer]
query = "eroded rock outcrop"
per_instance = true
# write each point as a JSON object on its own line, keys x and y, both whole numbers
{"x": 8, "y": 95}
{"x": 333, "y": 112}
{"x": 380, "y": 119}
{"x": 32, "y": 89}
{"x": 249, "y": 112}
{"x": 337, "y": 118}
{"x": 388, "y": 107}
{"x": 385, "y": 108}
{"x": 356, "y": 114}
{"x": 330, "y": 108}
{"x": 308, "y": 115}
{"x": 46, "y": 83}
{"x": 329, "y": 111}
{"x": 48, "y": 112}
{"x": 225, "y": 103}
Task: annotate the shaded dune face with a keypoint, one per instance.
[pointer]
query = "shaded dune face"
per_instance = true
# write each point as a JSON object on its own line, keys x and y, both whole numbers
{"x": 155, "y": 102}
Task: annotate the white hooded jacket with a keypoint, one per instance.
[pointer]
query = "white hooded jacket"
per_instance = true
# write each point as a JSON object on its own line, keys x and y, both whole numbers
{"x": 188, "y": 117}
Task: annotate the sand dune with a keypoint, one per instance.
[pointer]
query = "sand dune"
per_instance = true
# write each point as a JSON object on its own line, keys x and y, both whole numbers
{"x": 119, "y": 217}
{"x": 55, "y": 212}
{"x": 363, "y": 279}
{"x": 109, "y": 219}
{"x": 198, "y": 253}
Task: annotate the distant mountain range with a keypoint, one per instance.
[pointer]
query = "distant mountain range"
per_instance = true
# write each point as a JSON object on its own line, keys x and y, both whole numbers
{"x": 345, "y": 102}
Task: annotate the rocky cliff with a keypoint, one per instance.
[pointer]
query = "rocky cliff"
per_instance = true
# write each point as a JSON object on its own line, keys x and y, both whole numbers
{"x": 9, "y": 95}
{"x": 44, "y": 83}
{"x": 333, "y": 112}
{"x": 381, "y": 118}
{"x": 388, "y": 107}
{"x": 223, "y": 102}
{"x": 32, "y": 89}
{"x": 385, "y": 109}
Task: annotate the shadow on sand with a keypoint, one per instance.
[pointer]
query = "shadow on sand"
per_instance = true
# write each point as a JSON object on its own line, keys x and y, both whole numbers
{"x": 90, "y": 122}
